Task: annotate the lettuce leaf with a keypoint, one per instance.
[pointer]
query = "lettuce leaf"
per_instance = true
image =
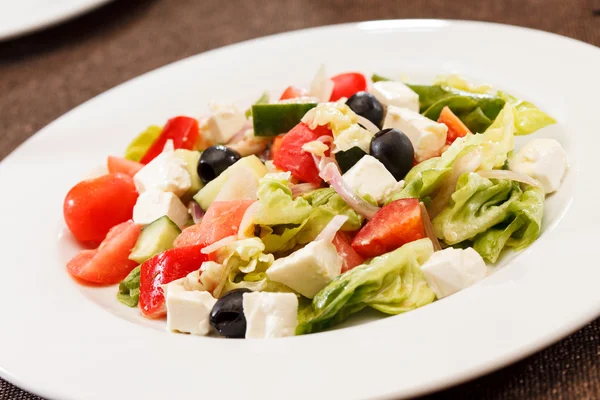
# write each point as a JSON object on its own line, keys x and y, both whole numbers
{"x": 519, "y": 233}
{"x": 286, "y": 233}
{"x": 528, "y": 118}
{"x": 129, "y": 288}
{"x": 142, "y": 142}
{"x": 277, "y": 206}
{"x": 477, "y": 205}
{"x": 392, "y": 283}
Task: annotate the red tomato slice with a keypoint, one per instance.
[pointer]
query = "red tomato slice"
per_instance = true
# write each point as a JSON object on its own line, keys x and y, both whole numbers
{"x": 350, "y": 258}
{"x": 109, "y": 263}
{"x": 345, "y": 85}
{"x": 292, "y": 92}
{"x": 276, "y": 144}
{"x": 222, "y": 219}
{"x": 127, "y": 167}
{"x": 164, "y": 268}
{"x": 94, "y": 206}
{"x": 396, "y": 224}
{"x": 291, "y": 157}
{"x": 182, "y": 130}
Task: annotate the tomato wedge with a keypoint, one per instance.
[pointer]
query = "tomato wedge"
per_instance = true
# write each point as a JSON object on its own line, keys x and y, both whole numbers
{"x": 396, "y": 224}
{"x": 350, "y": 258}
{"x": 456, "y": 128}
{"x": 183, "y": 131}
{"x": 290, "y": 156}
{"x": 345, "y": 85}
{"x": 162, "y": 269}
{"x": 122, "y": 165}
{"x": 293, "y": 92}
{"x": 110, "y": 262}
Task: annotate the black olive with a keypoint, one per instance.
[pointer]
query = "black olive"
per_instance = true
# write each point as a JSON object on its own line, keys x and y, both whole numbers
{"x": 366, "y": 105}
{"x": 227, "y": 316}
{"x": 395, "y": 151}
{"x": 214, "y": 161}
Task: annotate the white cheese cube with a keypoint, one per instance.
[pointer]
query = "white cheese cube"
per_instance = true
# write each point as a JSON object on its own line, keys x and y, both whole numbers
{"x": 450, "y": 270}
{"x": 392, "y": 93}
{"x": 188, "y": 311}
{"x": 154, "y": 204}
{"x": 370, "y": 177}
{"x": 166, "y": 173}
{"x": 544, "y": 160}
{"x": 321, "y": 86}
{"x": 270, "y": 315}
{"x": 309, "y": 269}
{"x": 225, "y": 121}
{"x": 427, "y": 137}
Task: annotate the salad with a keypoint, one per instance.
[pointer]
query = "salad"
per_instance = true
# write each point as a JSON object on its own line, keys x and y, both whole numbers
{"x": 290, "y": 216}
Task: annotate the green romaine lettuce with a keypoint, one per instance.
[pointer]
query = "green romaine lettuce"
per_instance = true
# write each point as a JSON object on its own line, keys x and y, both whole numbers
{"x": 519, "y": 233}
{"x": 392, "y": 283}
{"x": 477, "y": 205}
{"x": 528, "y": 118}
{"x": 142, "y": 142}
{"x": 285, "y": 222}
{"x": 129, "y": 288}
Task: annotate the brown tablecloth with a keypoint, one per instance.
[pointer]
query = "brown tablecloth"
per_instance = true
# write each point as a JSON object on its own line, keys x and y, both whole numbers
{"x": 46, "y": 74}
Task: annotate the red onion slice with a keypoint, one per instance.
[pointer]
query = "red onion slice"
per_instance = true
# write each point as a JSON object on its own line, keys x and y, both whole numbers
{"x": 331, "y": 175}
{"x": 303, "y": 188}
{"x": 218, "y": 244}
{"x": 368, "y": 124}
{"x": 467, "y": 163}
{"x": 336, "y": 223}
{"x": 509, "y": 175}
{"x": 428, "y": 227}
{"x": 239, "y": 135}
{"x": 195, "y": 211}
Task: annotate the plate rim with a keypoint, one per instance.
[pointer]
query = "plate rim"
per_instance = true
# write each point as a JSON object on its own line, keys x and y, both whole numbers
{"x": 451, "y": 379}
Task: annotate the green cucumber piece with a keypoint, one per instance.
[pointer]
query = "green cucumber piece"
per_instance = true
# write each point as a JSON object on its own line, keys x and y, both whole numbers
{"x": 273, "y": 119}
{"x": 155, "y": 238}
{"x": 264, "y": 99}
{"x": 190, "y": 158}
{"x": 347, "y": 159}
{"x": 249, "y": 166}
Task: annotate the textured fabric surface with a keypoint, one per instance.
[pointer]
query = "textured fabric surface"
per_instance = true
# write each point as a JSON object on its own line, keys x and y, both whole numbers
{"x": 46, "y": 74}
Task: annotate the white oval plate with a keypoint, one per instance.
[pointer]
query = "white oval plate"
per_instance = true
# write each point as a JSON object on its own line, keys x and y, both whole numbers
{"x": 63, "y": 340}
{"x": 26, "y": 16}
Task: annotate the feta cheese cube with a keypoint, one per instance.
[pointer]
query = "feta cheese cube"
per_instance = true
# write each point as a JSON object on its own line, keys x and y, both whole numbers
{"x": 270, "y": 315}
{"x": 428, "y": 137}
{"x": 166, "y": 173}
{"x": 370, "y": 177}
{"x": 544, "y": 160}
{"x": 225, "y": 121}
{"x": 188, "y": 311}
{"x": 450, "y": 270}
{"x": 392, "y": 93}
{"x": 309, "y": 269}
{"x": 154, "y": 204}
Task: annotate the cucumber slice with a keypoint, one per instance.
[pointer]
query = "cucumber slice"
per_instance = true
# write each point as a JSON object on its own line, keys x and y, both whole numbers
{"x": 264, "y": 99}
{"x": 249, "y": 167}
{"x": 273, "y": 119}
{"x": 155, "y": 238}
{"x": 346, "y": 159}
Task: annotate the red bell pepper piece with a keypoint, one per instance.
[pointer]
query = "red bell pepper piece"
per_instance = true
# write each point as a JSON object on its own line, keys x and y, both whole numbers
{"x": 183, "y": 131}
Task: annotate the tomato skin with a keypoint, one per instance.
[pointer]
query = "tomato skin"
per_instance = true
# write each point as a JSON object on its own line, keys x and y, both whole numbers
{"x": 162, "y": 269}
{"x": 292, "y": 92}
{"x": 350, "y": 258}
{"x": 94, "y": 206}
{"x": 276, "y": 145}
{"x": 345, "y": 85}
{"x": 127, "y": 167}
{"x": 456, "y": 128}
{"x": 396, "y": 224}
{"x": 183, "y": 131}
{"x": 290, "y": 156}
{"x": 110, "y": 262}
{"x": 222, "y": 219}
